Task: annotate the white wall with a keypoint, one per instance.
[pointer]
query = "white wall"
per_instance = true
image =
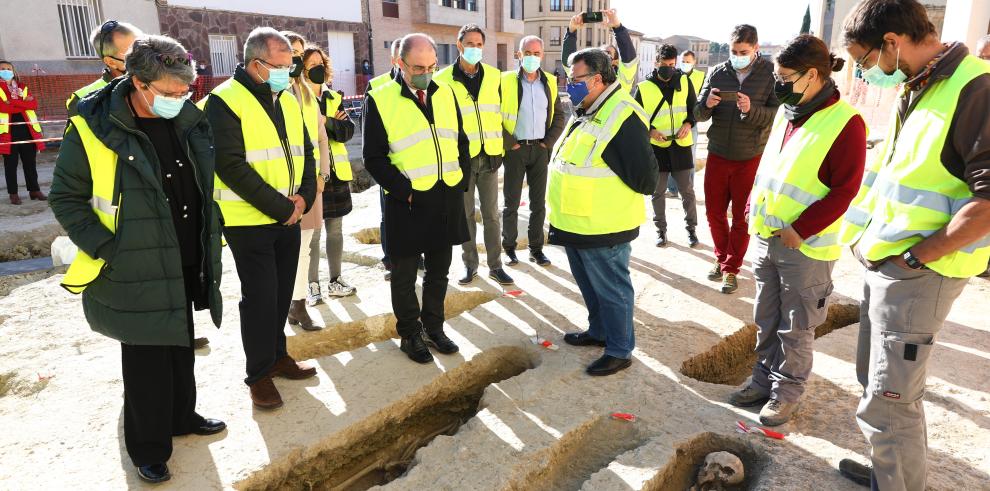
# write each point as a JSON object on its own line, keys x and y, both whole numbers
{"x": 966, "y": 21}
{"x": 342, "y": 10}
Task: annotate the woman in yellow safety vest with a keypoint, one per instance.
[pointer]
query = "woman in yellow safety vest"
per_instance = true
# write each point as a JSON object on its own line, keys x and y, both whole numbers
{"x": 17, "y": 107}
{"x": 809, "y": 173}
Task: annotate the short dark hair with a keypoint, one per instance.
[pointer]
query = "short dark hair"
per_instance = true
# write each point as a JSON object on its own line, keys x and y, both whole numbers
{"x": 598, "y": 61}
{"x": 470, "y": 28}
{"x": 745, "y": 33}
{"x": 805, "y": 52}
{"x": 667, "y": 52}
{"x": 689, "y": 52}
{"x": 871, "y": 19}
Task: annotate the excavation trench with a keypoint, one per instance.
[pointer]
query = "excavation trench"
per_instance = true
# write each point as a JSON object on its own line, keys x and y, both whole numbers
{"x": 381, "y": 447}
{"x": 731, "y": 361}
{"x": 681, "y": 472}
{"x": 347, "y": 336}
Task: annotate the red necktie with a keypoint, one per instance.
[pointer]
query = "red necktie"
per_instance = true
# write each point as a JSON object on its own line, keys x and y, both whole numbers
{"x": 422, "y": 97}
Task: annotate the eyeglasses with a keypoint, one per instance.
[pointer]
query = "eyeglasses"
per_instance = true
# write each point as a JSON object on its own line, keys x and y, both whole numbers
{"x": 862, "y": 59}
{"x": 784, "y": 78}
{"x": 290, "y": 67}
{"x": 421, "y": 70}
{"x": 185, "y": 59}
{"x": 575, "y": 78}
{"x": 156, "y": 91}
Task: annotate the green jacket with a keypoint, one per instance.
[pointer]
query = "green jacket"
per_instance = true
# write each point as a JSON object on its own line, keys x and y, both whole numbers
{"x": 139, "y": 297}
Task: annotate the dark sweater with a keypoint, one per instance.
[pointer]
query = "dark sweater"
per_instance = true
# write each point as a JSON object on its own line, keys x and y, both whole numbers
{"x": 623, "y": 42}
{"x": 733, "y": 135}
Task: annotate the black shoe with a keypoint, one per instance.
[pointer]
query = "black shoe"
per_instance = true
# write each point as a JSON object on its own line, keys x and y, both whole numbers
{"x": 537, "y": 256}
{"x": 440, "y": 342}
{"x": 511, "y": 254}
{"x": 692, "y": 238}
{"x": 500, "y": 277}
{"x": 582, "y": 339}
{"x": 416, "y": 349}
{"x": 661, "y": 239}
{"x": 855, "y": 472}
{"x": 469, "y": 276}
{"x": 154, "y": 473}
{"x": 388, "y": 275}
{"x": 209, "y": 427}
{"x": 607, "y": 365}
{"x": 422, "y": 264}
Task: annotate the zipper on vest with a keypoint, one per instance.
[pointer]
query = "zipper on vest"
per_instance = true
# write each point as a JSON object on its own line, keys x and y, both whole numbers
{"x": 436, "y": 147}
{"x": 288, "y": 162}
{"x": 477, "y": 112}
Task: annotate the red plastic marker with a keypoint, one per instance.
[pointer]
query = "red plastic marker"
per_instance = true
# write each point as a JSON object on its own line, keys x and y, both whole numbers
{"x": 514, "y": 293}
{"x": 624, "y": 416}
{"x": 742, "y": 428}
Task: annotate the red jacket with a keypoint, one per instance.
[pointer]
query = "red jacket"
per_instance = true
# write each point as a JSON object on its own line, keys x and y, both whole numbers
{"x": 14, "y": 106}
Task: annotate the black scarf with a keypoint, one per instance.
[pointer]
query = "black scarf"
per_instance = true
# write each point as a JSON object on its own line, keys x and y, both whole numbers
{"x": 794, "y": 113}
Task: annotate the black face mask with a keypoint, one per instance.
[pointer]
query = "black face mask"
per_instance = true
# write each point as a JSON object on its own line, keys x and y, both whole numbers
{"x": 664, "y": 73}
{"x": 785, "y": 92}
{"x": 297, "y": 61}
{"x": 317, "y": 74}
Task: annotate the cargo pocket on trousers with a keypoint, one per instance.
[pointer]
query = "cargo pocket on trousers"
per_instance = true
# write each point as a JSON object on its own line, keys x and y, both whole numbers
{"x": 576, "y": 196}
{"x": 815, "y": 300}
{"x": 899, "y": 375}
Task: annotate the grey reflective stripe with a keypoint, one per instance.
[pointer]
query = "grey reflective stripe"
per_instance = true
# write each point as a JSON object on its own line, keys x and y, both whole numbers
{"x": 104, "y": 205}
{"x": 297, "y": 150}
{"x": 491, "y": 135}
{"x": 446, "y": 133}
{"x": 920, "y": 197}
{"x": 430, "y": 170}
{"x": 592, "y": 172}
{"x": 229, "y": 195}
{"x": 889, "y": 233}
{"x": 489, "y": 108}
{"x": 409, "y": 141}
{"x": 980, "y": 244}
{"x": 857, "y": 216}
{"x": 774, "y": 185}
{"x": 869, "y": 177}
{"x": 274, "y": 153}
{"x": 509, "y": 116}
{"x": 827, "y": 240}
{"x": 613, "y": 119}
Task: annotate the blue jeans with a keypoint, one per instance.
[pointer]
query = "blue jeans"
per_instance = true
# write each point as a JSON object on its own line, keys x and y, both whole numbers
{"x": 602, "y": 274}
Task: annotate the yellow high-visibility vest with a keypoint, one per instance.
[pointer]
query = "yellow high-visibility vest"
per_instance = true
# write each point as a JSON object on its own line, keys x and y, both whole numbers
{"x": 85, "y": 91}
{"x": 626, "y": 73}
{"x": 380, "y": 80}
{"x": 340, "y": 164}
{"x": 482, "y": 118}
{"x": 697, "y": 80}
{"x": 29, "y": 116}
{"x": 669, "y": 116}
{"x": 510, "y": 98}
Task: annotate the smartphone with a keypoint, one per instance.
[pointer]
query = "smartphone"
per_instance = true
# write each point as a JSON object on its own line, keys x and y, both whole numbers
{"x": 592, "y": 17}
{"x": 727, "y": 95}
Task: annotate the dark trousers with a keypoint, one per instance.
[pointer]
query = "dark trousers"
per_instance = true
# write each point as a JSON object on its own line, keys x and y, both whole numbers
{"x": 159, "y": 397}
{"x": 27, "y": 154}
{"x": 530, "y": 162}
{"x": 410, "y": 317}
{"x": 266, "y": 257}
{"x": 381, "y": 231}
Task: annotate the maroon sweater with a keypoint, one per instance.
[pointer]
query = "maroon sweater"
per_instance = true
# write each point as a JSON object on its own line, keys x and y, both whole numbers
{"x": 842, "y": 172}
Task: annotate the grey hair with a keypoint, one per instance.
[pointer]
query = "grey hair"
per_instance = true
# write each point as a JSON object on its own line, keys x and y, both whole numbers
{"x": 256, "y": 44}
{"x": 156, "y": 57}
{"x": 411, "y": 40}
{"x": 597, "y": 60}
{"x": 103, "y": 43}
{"x": 982, "y": 43}
{"x": 528, "y": 39}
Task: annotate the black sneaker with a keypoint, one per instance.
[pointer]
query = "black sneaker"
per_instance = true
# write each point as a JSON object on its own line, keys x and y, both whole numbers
{"x": 692, "y": 238}
{"x": 537, "y": 256}
{"x": 511, "y": 254}
{"x": 661, "y": 239}
{"x": 469, "y": 276}
{"x": 855, "y": 472}
{"x": 154, "y": 473}
{"x": 500, "y": 276}
{"x": 582, "y": 339}
{"x": 440, "y": 342}
{"x": 416, "y": 349}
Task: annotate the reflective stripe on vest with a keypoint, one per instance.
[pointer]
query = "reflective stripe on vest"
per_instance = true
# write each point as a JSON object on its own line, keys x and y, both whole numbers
{"x": 85, "y": 91}
{"x": 586, "y": 197}
{"x": 340, "y": 163}
{"x": 626, "y": 73}
{"x": 914, "y": 196}
{"x": 787, "y": 180}
{"x": 105, "y": 202}
{"x": 424, "y": 153}
{"x": 670, "y": 115}
{"x": 482, "y": 118}
{"x": 29, "y": 116}
{"x": 264, "y": 151}
{"x": 510, "y": 98}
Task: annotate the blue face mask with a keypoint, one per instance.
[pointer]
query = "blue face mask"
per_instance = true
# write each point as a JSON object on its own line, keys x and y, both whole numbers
{"x": 531, "y": 63}
{"x": 7, "y": 75}
{"x": 876, "y": 76}
{"x": 278, "y": 78}
{"x": 740, "y": 62}
{"x": 578, "y": 92}
{"x": 165, "y": 107}
{"x": 472, "y": 55}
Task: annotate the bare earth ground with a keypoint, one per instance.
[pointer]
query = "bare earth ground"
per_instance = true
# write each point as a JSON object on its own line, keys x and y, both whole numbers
{"x": 505, "y": 414}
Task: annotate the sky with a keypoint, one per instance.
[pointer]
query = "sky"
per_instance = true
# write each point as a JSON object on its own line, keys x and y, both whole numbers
{"x": 776, "y": 20}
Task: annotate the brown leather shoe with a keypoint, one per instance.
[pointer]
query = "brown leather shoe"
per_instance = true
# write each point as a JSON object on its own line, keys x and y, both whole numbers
{"x": 37, "y": 196}
{"x": 264, "y": 395}
{"x": 292, "y": 370}
{"x": 15, "y": 199}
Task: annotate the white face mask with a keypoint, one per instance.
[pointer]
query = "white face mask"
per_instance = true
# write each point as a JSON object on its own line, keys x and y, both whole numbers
{"x": 687, "y": 67}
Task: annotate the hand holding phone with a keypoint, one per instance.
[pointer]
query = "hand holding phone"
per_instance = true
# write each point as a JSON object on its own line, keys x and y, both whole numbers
{"x": 592, "y": 17}
{"x": 728, "y": 95}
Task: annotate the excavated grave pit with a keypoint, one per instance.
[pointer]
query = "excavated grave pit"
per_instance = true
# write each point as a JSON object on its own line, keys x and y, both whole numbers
{"x": 368, "y": 236}
{"x": 346, "y": 336}
{"x": 681, "y": 472}
{"x": 731, "y": 361}
{"x": 381, "y": 448}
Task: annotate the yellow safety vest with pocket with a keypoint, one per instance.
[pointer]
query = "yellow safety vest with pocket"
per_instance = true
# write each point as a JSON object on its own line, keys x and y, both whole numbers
{"x": 30, "y": 116}
{"x": 510, "y": 98}
{"x": 667, "y": 116}
{"x": 482, "y": 118}
{"x": 340, "y": 164}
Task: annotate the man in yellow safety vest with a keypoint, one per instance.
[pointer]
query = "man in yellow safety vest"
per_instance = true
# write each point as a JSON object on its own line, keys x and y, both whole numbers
{"x": 112, "y": 41}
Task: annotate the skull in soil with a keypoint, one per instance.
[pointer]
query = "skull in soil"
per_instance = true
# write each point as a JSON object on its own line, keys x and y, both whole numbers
{"x": 720, "y": 469}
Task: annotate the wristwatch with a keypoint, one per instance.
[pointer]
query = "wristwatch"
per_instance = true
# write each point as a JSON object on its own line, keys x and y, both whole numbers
{"x": 325, "y": 177}
{"x": 912, "y": 261}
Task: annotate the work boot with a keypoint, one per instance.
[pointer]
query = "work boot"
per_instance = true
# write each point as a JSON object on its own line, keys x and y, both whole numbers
{"x": 500, "y": 277}
{"x": 716, "y": 273}
{"x": 511, "y": 254}
{"x": 288, "y": 368}
{"x": 469, "y": 275}
{"x": 15, "y": 199}
{"x": 748, "y": 397}
{"x": 37, "y": 196}
{"x": 607, "y": 365}
{"x": 661, "y": 239}
{"x": 298, "y": 316}
{"x": 439, "y": 341}
{"x": 729, "y": 284}
{"x": 416, "y": 349}
{"x": 200, "y": 343}
{"x": 856, "y": 472}
{"x": 264, "y": 395}
{"x": 692, "y": 238}
{"x": 314, "y": 297}
{"x": 338, "y": 288}
{"x": 154, "y": 473}
{"x": 537, "y": 256}
{"x": 776, "y": 412}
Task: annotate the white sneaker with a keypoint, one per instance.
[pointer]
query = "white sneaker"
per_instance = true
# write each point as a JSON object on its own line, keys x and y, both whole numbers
{"x": 338, "y": 288}
{"x": 314, "y": 297}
